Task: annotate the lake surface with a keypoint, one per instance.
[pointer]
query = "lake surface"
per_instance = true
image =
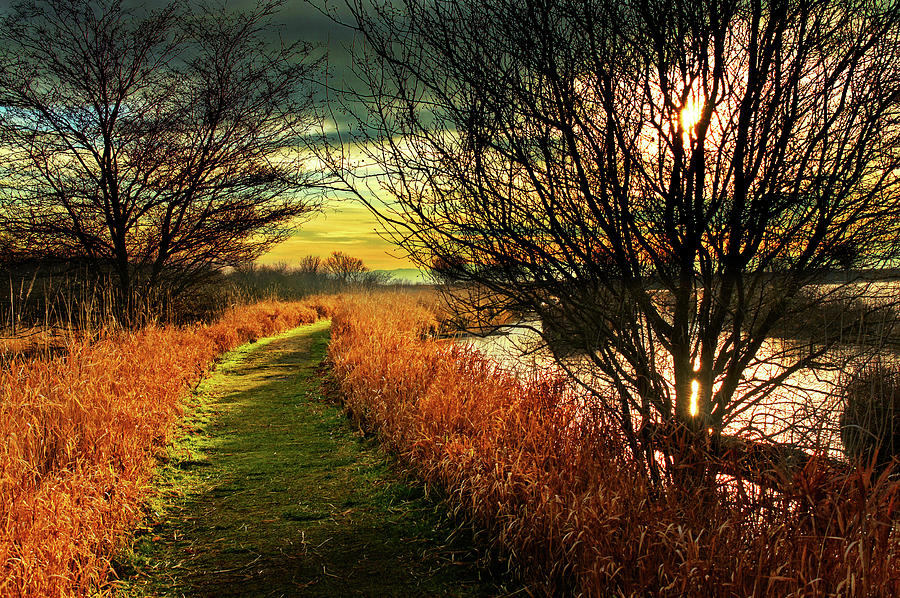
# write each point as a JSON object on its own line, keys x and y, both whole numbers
{"x": 803, "y": 411}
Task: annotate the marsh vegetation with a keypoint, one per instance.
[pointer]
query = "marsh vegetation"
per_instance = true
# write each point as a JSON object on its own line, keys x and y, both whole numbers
{"x": 691, "y": 211}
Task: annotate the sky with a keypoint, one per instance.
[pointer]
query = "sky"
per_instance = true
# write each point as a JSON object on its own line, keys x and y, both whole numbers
{"x": 346, "y": 226}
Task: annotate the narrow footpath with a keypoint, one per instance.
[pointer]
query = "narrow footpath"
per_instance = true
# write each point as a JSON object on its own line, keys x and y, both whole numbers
{"x": 269, "y": 491}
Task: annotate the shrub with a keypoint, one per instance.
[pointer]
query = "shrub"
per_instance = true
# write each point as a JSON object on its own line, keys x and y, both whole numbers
{"x": 870, "y": 423}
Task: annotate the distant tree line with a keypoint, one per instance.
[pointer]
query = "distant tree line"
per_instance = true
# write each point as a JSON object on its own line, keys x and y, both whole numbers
{"x": 312, "y": 274}
{"x": 73, "y": 293}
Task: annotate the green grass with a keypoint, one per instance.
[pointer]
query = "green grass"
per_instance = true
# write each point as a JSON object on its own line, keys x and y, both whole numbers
{"x": 269, "y": 491}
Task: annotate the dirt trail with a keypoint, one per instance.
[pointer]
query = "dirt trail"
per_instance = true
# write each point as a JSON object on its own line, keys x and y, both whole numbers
{"x": 268, "y": 492}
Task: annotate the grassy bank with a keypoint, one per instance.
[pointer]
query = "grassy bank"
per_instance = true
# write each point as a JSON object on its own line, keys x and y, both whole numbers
{"x": 554, "y": 488}
{"x": 79, "y": 435}
{"x": 268, "y": 490}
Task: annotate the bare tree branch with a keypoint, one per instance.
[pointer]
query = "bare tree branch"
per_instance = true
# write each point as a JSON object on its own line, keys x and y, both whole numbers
{"x": 157, "y": 144}
{"x": 663, "y": 187}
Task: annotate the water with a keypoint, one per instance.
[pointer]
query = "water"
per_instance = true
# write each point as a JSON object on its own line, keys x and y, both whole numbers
{"x": 803, "y": 411}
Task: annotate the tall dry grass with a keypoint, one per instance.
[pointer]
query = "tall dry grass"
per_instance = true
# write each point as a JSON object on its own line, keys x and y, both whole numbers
{"x": 79, "y": 433}
{"x": 548, "y": 481}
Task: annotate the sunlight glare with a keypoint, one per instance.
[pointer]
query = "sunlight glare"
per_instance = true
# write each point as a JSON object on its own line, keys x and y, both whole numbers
{"x": 691, "y": 114}
{"x": 695, "y": 390}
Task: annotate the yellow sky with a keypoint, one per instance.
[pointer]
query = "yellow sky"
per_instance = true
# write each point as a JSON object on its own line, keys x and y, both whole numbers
{"x": 344, "y": 226}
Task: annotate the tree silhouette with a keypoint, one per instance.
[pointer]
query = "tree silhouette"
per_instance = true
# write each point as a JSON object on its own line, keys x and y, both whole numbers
{"x": 346, "y": 268}
{"x": 661, "y": 187}
{"x": 160, "y": 146}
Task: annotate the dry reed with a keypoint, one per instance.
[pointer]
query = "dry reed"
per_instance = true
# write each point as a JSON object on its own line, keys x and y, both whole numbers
{"x": 548, "y": 480}
{"x": 79, "y": 434}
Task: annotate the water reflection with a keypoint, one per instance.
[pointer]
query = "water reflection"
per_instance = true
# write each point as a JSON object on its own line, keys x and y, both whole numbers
{"x": 803, "y": 411}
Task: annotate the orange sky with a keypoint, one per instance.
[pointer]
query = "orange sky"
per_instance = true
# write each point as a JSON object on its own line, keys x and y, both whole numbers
{"x": 347, "y": 227}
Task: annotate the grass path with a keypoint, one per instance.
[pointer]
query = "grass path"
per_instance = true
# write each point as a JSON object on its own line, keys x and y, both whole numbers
{"x": 267, "y": 491}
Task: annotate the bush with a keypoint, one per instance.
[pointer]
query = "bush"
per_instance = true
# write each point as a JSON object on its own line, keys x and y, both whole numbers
{"x": 870, "y": 423}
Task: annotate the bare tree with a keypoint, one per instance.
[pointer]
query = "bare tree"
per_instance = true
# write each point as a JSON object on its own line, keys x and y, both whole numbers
{"x": 309, "y": 264}
{"x": 159, "y": 145}
{"x": 346, "y": 268}
{"x": 662, "y": 187}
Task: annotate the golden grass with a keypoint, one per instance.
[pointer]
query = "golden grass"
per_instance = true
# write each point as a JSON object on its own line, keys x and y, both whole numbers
{"x": 559, "y": 499}
{"x": 79, "y": 433}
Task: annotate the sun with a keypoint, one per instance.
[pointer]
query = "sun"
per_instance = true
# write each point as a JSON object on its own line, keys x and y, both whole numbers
{"x": 691, "y": 114}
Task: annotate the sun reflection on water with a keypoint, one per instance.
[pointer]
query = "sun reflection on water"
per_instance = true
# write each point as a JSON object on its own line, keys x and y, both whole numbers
{"x": 695, "y": 390}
